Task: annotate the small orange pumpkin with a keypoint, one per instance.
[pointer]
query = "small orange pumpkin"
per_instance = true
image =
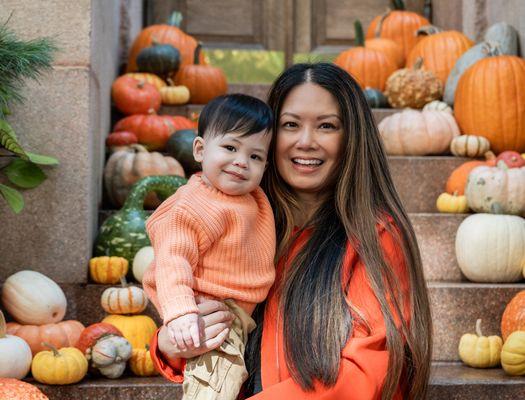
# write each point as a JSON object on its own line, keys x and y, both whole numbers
{"x": 513, "y": 318}
{"x": 134, "y": 97}
{"x": 457, "y": 180}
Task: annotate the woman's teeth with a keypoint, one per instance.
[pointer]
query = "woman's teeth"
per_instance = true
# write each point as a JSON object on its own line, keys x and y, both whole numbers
{"x": 306, "y": 162}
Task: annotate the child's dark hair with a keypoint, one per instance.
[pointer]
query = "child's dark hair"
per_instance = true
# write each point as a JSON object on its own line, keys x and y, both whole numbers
{"x": 235, "y": 113}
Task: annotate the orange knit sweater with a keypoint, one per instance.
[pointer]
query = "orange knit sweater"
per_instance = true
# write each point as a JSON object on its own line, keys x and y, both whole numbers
{"x": 212, "y": 244}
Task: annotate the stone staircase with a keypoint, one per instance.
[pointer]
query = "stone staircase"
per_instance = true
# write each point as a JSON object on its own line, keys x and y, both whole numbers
{"x": 456, "y": 303}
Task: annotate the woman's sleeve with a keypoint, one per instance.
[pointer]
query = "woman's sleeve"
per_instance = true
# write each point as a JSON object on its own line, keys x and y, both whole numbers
{"x": 172, "y": 370}
{"x": 364, "y": 360}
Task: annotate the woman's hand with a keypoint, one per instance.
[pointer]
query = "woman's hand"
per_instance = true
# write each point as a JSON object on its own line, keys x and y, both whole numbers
{"x": 215, "y": 319}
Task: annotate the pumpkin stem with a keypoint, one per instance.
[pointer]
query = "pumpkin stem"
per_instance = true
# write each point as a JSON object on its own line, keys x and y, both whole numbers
{"x": 379, "y": 25}
{"x": 491, "y": 49}
{"x": 140, "y": 84}
{"x": 419, "y": 63}
{"x": 398, "y": 4}
{"x": 170, "y": 82}
{"x": 455, "y": 194}
{"x": 53, "y": 348}
{"x": 496, "y": 208}
{"x": 359, "y": 34}
{"x": 502, "y": 165}
{"x": 175, "y": 19}
{"x": 163, "y": 185}
{"x": 197, "y": 54}
{"x": 2, "y": 325}
{"x": 123, "y": 282}
{"x": 489, "y": 155}
{"x": 152, "y": 111}
{"x": 478, "y": 327}
{"x": 428, "y": 30}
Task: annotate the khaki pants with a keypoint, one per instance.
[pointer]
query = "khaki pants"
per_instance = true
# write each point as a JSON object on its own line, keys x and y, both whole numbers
{"x": 220, "y": 373}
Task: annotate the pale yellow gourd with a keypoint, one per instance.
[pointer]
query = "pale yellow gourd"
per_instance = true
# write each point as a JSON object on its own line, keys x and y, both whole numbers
{"x": 452, "y": 203}
{"x": 513, "y": 354}
{"x": 124, "y": 300}
{"x": 480, "y": 351}
{"x": 59, "y": 367}
{"x": 469, "y": 146}
{"x": 174, "y": 95}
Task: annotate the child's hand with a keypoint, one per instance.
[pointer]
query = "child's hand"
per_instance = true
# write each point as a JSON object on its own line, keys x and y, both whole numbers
{"x": 184, "y": 331}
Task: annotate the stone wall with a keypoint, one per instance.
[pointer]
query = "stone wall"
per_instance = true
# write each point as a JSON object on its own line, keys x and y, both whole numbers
{"x": 67, "y": 115}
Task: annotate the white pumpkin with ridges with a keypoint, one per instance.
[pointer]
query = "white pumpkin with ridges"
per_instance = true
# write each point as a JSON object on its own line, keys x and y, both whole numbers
{"x": 15, "y": 354}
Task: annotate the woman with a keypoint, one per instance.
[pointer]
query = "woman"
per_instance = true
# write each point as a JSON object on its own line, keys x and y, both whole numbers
{"x": 348, "y": 316}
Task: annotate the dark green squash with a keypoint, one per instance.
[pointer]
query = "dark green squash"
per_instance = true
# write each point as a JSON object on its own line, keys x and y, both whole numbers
{"x": 124, "y": 233}
{"x": 180, "y": 147}
{"x": 375, "y": 98}
{"x": 159, "y": 59}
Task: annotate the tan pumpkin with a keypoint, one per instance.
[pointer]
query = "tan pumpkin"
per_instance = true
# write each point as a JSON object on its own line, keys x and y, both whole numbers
{"x": 513, "y": 354}
{"x": 413, "y": 87}
{"x": 141, "y": 363}
{"x": 59, "y": 367}
{"x": 106, "y": 269}
{"x": 127, "y": 166}
{"x": 497, "y": 189}
{"x": 418, "y": 133}
{"x": 15, "y": 360}
{"x": 437, "y": 105}
{"x": 124, "y": 300}
{"x": 480, "y": 351}
{"x": 175, "y": 95}
{"x": 153, "y": 79}
{"x": 491, "y": 248}
{"x": 469, "y": 146}
{"x": 59, "y": 335}
{"x": 137, "y": 329}
{"x": 32, "y": 298}
{"x": 452, "y": 203}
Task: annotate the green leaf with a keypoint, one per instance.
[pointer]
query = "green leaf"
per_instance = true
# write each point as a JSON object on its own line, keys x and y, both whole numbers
{"x": 5, "y": 110}
{"x": 24, "y": 174}
{"x": 13, "y": 197}
{"x": 9, "y": 141}
{"x": 40, "y": 159}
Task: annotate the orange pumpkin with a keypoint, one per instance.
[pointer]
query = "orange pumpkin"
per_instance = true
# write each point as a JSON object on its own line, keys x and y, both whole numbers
{"x": 204, "y": 82}
{"x": 440, "y": 52}
{"x": 457, "y": 180}
{"x": 169, "y": 33}
{"x": 11, "y": 388}
{"x": 134, "y": 97}
{"x": 371, "y": 68}
{"x": 513, "y": 318}
{"x": 388, "y": 47}
{"x": 489, "y": 102}
{"x": 398, "y": 25}
{"x": 61, "y": 334}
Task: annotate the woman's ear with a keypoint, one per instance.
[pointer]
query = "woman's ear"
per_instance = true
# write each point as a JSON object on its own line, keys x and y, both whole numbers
{"x": 198, "y": 148}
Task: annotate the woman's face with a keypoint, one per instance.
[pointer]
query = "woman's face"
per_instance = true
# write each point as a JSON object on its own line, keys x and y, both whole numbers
{"x": 309, "y": 138}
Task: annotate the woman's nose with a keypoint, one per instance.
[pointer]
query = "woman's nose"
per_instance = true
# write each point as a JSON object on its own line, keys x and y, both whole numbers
{"x": 306, "y": 139}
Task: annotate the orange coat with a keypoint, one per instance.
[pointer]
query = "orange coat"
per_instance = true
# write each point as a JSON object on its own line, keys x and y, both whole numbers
{"x": 364, "y": 359}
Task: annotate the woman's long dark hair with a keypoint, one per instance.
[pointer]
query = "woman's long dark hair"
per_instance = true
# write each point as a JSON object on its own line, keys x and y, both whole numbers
{"x": 313, "y": 302}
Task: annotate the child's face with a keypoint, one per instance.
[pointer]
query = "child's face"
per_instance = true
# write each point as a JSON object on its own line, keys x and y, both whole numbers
{"x": 231, "y": 163}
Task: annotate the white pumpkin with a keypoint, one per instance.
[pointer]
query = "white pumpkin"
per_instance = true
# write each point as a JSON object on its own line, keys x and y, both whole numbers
{"x": 491, "y": 248}
{"x": 141, "y": 261}
{"x": 438, "y": 105}
{"x": 33, "y": 299}
{"x": 469, "y": 146}
{"x": 15, "y": 354}
{"x": 499, "y": 189}
{"x": 124, "y": 300}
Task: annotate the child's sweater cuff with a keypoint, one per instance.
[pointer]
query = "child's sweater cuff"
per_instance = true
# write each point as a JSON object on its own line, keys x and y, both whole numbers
{"x": 178, "y": 306}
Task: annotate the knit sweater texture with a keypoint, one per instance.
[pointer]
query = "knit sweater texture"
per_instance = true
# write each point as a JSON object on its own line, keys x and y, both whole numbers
{"x": 211, "y": 244}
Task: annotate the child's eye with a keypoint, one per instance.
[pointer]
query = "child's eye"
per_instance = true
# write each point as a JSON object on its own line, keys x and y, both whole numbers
{"x": 256, "y": 157}
{"x": 229, "y": 148}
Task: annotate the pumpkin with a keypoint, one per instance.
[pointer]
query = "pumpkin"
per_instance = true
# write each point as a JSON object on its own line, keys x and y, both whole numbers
{"x": 16, "y": 354}
{"x": 452, "y": 203}
{"x": 141, "y": 363}
{"x": 167, "y": 34}
{"x": 174, "y": 95}
{"x": 480, "y": 351}
{"x": 116, "y": 140}
{"x": 152, "y": 130}
{"x": 128, "y": 165}
{"x": 180, "y": 146}
{"x": 476, "y": 99}
{"x": 141, "y": 262}
{"x": 513, "y": 354}
{"x": 512, "y": 159}
{"x": 369, "y": 67}
{"x": 467, "y": 59}
{"x": 418, "y": 133}
{"x": 505, "y": 35}
{"x": 106, "y": 269}
{"x": 457, "y": 180}
{"x": 59, "y": 367}
{"x": 12, "y": 389}
{"x": 375, "y": 98}
{"x": 134, "y": 97}
{"x": 399, "y": 25}
{"x": 153, "y": 79}
{"x": 412, "y": 87}
{"x": 497, "y": 189}
{"x": 491, "y": 248}
{"x": 440, "y": 52}
{"x": 437, "y": 105}
{"x": 61, "y": 334}
{"x": 124, "y": 233}
{"x": 158, "y": 59}
{"x": 32, "y": 298}
{"x": 469, "y": 146}
{"x": 124, "y": 300}
{"x": 388, "y": 47}
{"x": 137, "y": 329}
{"x": 513, "y": 317}
{"x": 203, "y": 81}
{"x": 94, "y": 332}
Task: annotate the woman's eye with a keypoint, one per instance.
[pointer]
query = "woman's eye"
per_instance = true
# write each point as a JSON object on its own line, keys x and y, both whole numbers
{"x": 290, "y": 124}
{"x": 327, "y": 125}
{"x": 229, "y": 148}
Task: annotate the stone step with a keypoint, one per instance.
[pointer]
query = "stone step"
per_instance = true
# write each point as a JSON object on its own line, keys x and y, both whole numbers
{"x": 451, "y": 381}
{"x": 455, "y": 309}
{"x": 436, "y": 234}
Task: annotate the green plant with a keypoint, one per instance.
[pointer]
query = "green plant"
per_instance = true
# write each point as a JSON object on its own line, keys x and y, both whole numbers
{"x": 19, "y": 60}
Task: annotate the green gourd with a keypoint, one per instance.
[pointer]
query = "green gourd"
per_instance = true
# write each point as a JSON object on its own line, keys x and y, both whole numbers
{"x": 124, "y": 233}
{"x": 159, "y": 59}
{"x": 375, "y": 98}
{"x": 180, "y": 147}
{"x": 505, "y": 35}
